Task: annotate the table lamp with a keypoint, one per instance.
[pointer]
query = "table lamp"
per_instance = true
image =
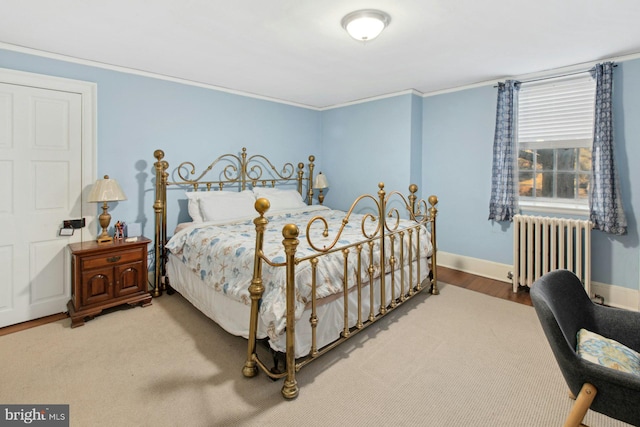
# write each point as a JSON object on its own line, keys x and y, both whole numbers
{"x": 105, "y": 190}
{"x": 320, "y": 183}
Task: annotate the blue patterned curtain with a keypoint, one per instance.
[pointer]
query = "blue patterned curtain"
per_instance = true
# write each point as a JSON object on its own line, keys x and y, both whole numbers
{"x": 605, "y": 202}
{"x": 502, "y": 206}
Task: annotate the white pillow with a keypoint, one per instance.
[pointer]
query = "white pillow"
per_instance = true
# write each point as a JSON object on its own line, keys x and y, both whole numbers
{"x": 193, "y": 206}
{"x": 280, "y": 199}
{"x": 194, "y": 197}
{"x": 227, "y": 205}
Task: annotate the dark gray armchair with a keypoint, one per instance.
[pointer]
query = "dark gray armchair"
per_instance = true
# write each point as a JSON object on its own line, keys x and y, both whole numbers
{"x": 563, "y": 308}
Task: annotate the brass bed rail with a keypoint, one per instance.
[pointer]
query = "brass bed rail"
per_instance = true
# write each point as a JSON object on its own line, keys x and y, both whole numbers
{"x": 385, "y": 233}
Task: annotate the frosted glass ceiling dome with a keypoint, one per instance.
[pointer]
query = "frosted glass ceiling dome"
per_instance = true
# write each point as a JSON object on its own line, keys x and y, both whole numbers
{"x": 365, "y": 25}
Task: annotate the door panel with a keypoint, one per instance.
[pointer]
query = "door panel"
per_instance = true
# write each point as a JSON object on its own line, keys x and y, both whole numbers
{"x": 6, "y": 266}
{"x": 46, "y": 261}
{"x": 40, "y": 186}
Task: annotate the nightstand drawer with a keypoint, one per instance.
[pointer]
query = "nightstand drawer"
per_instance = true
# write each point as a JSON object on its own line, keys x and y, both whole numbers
{"x": 116, "y": 257}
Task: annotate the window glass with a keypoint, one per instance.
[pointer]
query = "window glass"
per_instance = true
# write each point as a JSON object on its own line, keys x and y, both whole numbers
{"x": 554, "y": 136}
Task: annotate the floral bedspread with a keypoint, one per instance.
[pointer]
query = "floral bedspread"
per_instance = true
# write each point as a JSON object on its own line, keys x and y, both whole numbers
{"x": 222, "y": 256}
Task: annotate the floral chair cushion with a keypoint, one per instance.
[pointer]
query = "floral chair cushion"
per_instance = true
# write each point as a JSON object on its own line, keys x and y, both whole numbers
{"x": 607, "y": 352}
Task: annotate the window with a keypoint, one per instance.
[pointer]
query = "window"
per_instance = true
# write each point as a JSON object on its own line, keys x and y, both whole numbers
{"x": 554, "y": 133}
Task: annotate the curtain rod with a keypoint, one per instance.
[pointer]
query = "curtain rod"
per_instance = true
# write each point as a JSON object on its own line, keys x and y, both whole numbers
{"x": 556, "y": 76}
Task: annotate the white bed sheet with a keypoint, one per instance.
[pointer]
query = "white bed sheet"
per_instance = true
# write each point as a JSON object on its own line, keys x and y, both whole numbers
{"x": 233, "y": 316}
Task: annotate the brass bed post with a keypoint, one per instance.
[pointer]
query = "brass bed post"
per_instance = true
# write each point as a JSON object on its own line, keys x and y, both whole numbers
{"x": 290, "y": 233}
{"x": 345, "y": 294}
{"x": 433, "y": 212}
{"x": 431, "y": 217}
{"x": 382, "y": 219}
{"x": 313, "y": 320}
{"x": 256, "y": 289}
{"x": 410, "y": 235}
{"x": 392, "y": 266}
{"x": 413, "y": 188}
{"x": 403, "y": 296}
{"x": 243, "y": 169}
{"x": 163, "y": 265}
{"x": 299, "y": 180}
{"x": 310, "y": 185}
{"x": 359, "y": 324}
{"x": 159, "y": 208}
{"x": 370, "y": 270}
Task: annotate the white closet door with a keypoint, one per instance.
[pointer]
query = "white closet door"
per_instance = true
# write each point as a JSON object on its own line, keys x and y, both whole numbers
{"x": 40, "y": 186}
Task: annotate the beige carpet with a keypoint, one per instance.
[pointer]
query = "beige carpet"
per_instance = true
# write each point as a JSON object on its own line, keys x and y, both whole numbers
{"x": 457, "y": 359}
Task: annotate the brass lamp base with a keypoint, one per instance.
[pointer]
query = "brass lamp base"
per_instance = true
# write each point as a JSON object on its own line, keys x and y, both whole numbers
{"x": 104, "y": 238}
{"x": 105, "y": 219}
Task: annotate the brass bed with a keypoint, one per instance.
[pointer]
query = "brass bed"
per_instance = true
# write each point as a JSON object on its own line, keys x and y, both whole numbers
{"x": 325, "y": 276}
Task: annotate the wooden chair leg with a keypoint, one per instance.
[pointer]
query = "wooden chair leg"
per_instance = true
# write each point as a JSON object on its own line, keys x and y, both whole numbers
{"x": 580, "y": 408}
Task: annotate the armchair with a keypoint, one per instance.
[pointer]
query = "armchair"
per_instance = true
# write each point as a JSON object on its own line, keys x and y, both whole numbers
{"x": 563, "y": 308}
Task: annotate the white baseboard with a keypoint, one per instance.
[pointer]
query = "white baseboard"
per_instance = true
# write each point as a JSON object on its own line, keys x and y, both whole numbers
{"x": 479, "y": 267}
{"x": 615, "y": 296}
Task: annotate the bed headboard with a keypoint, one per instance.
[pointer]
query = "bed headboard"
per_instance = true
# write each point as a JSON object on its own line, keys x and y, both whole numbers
{"x": 227, "y": 172}
{"x": 235, "y": 171}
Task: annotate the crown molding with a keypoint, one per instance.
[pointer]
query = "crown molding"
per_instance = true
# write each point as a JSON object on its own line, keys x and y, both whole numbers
{"x": 79, "y": 61}
{"x": 545, "y": 73}
{"x": 65, "y": 58}
{"x": 536, "y": 75}
{"x": 373, "y": 98}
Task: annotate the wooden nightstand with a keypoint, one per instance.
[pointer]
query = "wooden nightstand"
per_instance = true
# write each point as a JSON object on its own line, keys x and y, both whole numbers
{"x": 105, "y": 275}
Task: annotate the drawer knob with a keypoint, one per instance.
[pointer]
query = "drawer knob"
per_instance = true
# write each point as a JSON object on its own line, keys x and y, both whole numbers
{"x": 114, "y": 258}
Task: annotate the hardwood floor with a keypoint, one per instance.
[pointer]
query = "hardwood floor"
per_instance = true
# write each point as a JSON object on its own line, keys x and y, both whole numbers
{"x": 481, "y": 284}
{"x": 32, "y": 323}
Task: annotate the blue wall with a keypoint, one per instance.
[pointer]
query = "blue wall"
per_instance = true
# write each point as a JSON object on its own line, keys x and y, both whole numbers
{"x": 458, "y": 143}
{"x": 137, "y": 115}
{"x": 368, "y": 143}
{"x": 458, "y": 147}
{"x": 443, "y": 143}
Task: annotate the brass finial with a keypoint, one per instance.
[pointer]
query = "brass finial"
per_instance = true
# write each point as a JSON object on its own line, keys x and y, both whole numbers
{"x": 290, "y": 231}
{"x": 262, "y": 205}
{"x": 158, "y": 154}
{"x": 413, "y": 188}
{"x": 433, "y": 200}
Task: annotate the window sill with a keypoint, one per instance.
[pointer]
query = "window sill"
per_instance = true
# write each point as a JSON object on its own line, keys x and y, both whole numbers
{"x": 575, "y": 209}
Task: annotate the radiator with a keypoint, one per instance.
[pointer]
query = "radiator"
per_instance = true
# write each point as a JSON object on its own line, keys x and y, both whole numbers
{"x": 542, "y": 244}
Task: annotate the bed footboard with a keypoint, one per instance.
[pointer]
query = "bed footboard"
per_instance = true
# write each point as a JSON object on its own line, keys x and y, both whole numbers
{"x": 388, "y": 236}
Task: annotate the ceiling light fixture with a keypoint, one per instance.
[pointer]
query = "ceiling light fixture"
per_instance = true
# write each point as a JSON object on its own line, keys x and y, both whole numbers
{"x": 365, "y": 25}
